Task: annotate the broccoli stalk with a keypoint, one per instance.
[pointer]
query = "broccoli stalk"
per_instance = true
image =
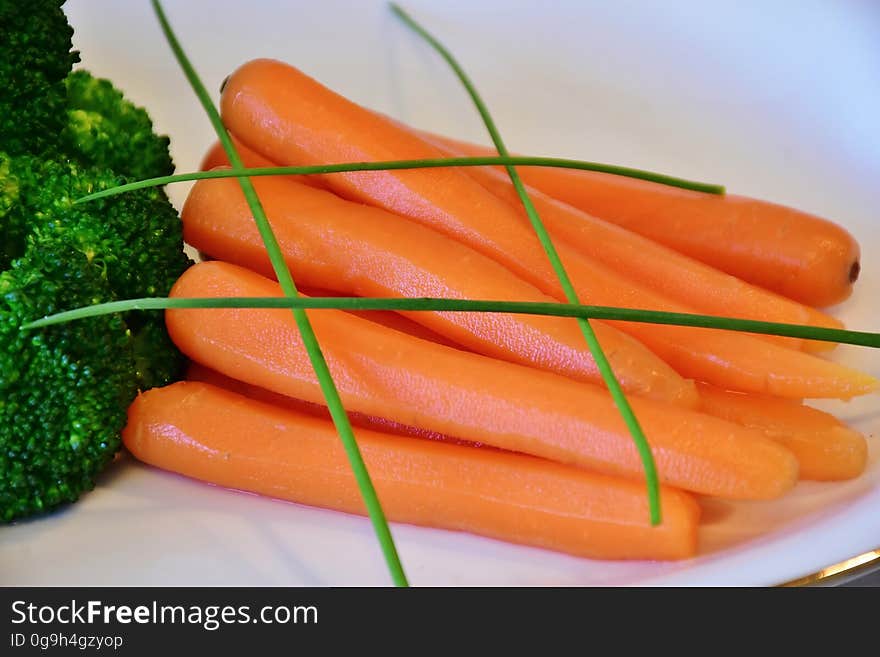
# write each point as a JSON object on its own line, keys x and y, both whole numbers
{"x": 64, "y": 390}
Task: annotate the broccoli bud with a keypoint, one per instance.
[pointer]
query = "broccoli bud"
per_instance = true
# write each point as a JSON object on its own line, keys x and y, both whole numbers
{"x": 36, "y": 59}
{"x": 106, "y": 130}
{"x": 65, "y": 389}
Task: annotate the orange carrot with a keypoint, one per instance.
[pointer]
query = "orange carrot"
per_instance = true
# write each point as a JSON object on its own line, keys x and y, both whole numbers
{"x": 216, "y": 157}
{"x": 415, "y": 382}
{"x": 203, "y": 374}
{"x": 389, "y": 318}
{"x": 398, "y": 322}
{"x": 795, "y": 254}
{"x": 825, "y": 448}
{"x": 364, "y": 251}
{"x": 290, "y": 118}
{"x": 210, "y": 434}
{"x": 678, "y": 277}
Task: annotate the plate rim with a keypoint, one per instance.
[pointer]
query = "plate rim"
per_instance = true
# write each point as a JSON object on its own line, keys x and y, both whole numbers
{"x": 840, "y": 572}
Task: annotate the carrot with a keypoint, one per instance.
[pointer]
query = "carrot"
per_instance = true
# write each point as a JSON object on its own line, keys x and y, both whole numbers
{"x": 393, "y": 375}
{"x": 793, "y": 253}
{"x": 365, "y": 251}
{"x": 643, "y": 260}
{"x": 291, "y": 119}
{"x": 216, "y": 157}
{"x": 217, "y": 436}
{"x": 203, "y": 374}
{"x": 658, "y": 267}
{"x": 398, "y": 322}
{"x": 389, "y": 318}
{"x": 825, "y": 448}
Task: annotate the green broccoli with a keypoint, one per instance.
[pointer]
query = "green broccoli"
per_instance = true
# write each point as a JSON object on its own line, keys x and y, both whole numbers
{"x": 64, "y": 390}
{"x": 106, "y": 129}
{"x": 134, "y": 239}
{"x": 36, "y": 59}
{"x": 12, "y": 232}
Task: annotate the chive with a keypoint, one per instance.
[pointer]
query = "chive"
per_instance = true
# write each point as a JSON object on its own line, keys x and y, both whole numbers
{"x": 613, "y": 385}
{"x": 430, "y": 163}
{"x": 328, "y": 387}
{"x": 431, "y": 304}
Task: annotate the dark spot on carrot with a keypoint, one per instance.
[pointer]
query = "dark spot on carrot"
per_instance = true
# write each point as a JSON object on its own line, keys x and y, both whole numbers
{"x": 223, "y": 84}
{"x": 854, "y": 271}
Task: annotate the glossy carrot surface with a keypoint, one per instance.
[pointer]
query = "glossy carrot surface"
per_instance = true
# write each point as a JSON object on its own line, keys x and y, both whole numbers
{"x": 389, "y": 374}
{"x": 199, "y": 373}
{"x": 826, "y": 449}
{"x": 679, "y": 277}
{"x": 793, "y": 253}
{"x": 216, "y": 157}
{"x": 365, "y": 251}
{"x": 214, "y": 435}
{"x": 292, "y": 119}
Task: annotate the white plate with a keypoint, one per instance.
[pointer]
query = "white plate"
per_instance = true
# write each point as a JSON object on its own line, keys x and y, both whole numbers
{"x": 776, "y": 99}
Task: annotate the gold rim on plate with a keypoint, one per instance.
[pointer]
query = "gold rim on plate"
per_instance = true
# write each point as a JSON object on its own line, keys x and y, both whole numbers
{"x": 841, "y": 572}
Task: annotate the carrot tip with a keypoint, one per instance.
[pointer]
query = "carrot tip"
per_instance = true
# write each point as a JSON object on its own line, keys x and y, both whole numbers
{"x": 854, "y": 271}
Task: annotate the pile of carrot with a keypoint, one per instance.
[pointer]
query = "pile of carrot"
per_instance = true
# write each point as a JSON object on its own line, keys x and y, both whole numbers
{"x": 495, "y": 424}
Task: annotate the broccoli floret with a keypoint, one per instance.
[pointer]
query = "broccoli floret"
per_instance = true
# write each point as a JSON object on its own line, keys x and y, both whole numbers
{"x": 8, "y": 186}
{"x": 157, "y": 359}
{"x": 135, "y": 239}
{"x": 105, "y": 129}
{"x": 36, "y": 59}
{"x": 63, "y": 389}
{"x": 12, "y": 230}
